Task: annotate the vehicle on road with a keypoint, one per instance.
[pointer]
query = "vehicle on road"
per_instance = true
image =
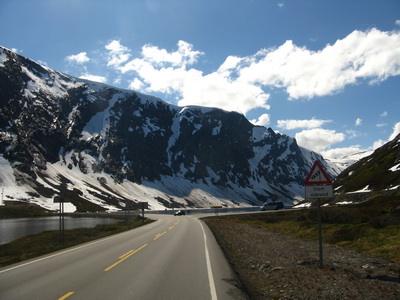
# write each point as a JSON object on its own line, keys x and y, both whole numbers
{"x": 179, "y": 213}
{"x": 272, "y": 206}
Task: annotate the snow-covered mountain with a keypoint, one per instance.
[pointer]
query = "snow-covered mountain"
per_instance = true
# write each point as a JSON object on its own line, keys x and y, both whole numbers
{"x": 104, "y": 147}
{"x": 346, "y": 161}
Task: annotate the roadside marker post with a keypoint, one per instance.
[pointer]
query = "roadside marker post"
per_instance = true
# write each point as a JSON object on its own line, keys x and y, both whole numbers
{"x": 216, "y": 209}
{"x": 317, "y": 186}
{"x": 61, "y": 199}
{"x": 143, "y": 206}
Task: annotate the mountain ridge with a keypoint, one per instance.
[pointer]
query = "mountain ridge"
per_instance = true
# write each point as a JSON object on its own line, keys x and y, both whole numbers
{"x": 110, "y": 148}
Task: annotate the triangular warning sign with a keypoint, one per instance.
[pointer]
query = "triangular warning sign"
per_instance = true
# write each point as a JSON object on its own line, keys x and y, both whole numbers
{"x": 317, "y": 175}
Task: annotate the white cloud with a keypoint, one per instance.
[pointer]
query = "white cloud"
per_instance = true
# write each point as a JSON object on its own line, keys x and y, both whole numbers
{"x": 16, "y": 50}
{"x": 93, "y": 78}
{"x": 318, "y": 139}
{"x": 185, "y": 55}
{"x": 117, "y": 54}
{"x": 372, "y": 55}
{"x": 384, "y": 114}
{"x": 381, "y": 125}
{"x": 296, "y": 124}
{"x": 216, "y": 90}
{"x": 168, "y": 72}
{"x": 358, "y": 122}
{"x": 79, "y": 58}
{"x": 339, "y": 153}
{"x": 397, "y": 22}
{"x": 351, "y": 134}
{"x": 242, "y": 83}
{"x": 396, "y": 131}
{"x": 136, "y": 85}
{"x": 262, "y": 120}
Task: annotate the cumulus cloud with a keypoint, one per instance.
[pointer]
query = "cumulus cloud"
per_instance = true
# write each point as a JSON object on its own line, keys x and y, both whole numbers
{"x": 79, "y": 58}
{"x": 96, "y": 78}
{"x": 167, "y": 72}
{"x": 242, "y": 83}
{"x": 117, "y": 54}
{"x": 296, "y": 124}
{"x": 136, "y": 84}
{"x": 395, "y": 132}
{"x": 262, "y": 120}
{"x": 318, "y": 139}
{"x": 358, "y": 122}
{"x": 339, "y": 153}
{"x": 372, "y": 55}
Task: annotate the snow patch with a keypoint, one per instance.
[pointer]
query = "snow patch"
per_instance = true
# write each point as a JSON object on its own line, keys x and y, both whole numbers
{"x": 363, "y": 190}
{"x": 395, "y": 168}
{"x": 3, "y": 58}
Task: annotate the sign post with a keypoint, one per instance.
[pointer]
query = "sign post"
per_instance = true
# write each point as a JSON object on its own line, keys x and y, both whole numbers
{"x": 61, "y": 199}
{"x": 143, "y": 206}
{"x": 317, "y": 186}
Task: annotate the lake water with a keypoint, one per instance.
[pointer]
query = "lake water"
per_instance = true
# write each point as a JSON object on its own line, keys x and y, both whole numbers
{"x": 12, "y": 229}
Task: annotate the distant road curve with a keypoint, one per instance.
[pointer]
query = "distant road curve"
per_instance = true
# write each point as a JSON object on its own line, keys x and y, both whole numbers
{"x": 172, "y": 258}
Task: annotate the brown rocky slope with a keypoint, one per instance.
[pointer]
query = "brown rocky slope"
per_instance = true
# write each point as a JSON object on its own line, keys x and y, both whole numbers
{"x": 276, "y": 266}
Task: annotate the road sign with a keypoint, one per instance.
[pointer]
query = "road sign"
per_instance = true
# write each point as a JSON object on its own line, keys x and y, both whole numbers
{"x": 317, "y": 175}
{"x": 60, "y": 199}
{"x": 319, "y": 191}
{"x": 144, "y": 205}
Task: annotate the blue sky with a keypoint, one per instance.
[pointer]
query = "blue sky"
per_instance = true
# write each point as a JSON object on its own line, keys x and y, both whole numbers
{"x": 325, "y": 72}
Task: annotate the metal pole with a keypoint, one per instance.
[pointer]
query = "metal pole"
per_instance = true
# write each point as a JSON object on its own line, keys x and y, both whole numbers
{"x": 321, "y": 258}
{"x": 60, "y": 221}
{"x": 63, "y": 228}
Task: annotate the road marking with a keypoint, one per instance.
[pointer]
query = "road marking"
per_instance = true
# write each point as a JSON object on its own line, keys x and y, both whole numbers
{"x": 125, "y": 256}
{"x": 66, "y": 296}
{"x": 171, "y": 227}
{"x": 209, "y": 269}
{"x": 159, "y": 235}
{"x": 71, "y": 249}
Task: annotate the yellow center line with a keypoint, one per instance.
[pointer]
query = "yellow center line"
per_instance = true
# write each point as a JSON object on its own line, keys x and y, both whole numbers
{"x": 171, "y": 227}
{"x": 127, "y": 253}
{"x": 66, "y": 296}
{"x": 159, "y": 235}
{"x": 125, "y": 256}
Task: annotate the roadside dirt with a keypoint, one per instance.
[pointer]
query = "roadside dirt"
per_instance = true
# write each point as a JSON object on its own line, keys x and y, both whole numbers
{"x": 275, "y": 266}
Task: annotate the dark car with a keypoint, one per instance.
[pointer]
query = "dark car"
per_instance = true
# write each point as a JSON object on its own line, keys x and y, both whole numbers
{"x": 179, "y": 213}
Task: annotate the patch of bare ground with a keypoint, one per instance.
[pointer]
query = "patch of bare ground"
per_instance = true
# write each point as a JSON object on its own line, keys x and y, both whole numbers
{"x": 276, "y": 266}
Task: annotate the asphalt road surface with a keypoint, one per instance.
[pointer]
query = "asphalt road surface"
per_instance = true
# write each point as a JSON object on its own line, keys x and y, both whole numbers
{"x": 172, "y": 258}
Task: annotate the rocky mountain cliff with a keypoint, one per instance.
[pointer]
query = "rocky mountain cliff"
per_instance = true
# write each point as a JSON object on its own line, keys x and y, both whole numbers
{"x": 103, "y": 147}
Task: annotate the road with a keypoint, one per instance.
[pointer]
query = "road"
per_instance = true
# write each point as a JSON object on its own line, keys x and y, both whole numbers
{"x": 172, "y": 258}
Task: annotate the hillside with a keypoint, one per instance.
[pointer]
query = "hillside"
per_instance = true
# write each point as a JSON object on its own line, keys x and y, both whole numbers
{"x": 107, "y": 148}
{"x": 378, "y": 172}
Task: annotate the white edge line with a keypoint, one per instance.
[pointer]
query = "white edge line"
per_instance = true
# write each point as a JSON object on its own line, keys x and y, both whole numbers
{"x": 69, "y": 250}
{"x": 209, "y": 269}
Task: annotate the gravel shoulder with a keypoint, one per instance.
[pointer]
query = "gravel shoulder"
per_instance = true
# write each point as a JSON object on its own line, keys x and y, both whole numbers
{"x": 271, "y": 265}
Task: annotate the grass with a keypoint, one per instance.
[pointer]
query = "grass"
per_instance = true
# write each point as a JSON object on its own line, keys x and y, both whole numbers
{"x": 46, "y": 242}
{"x": 372, "y": 227}
{"x": 17, "y": 209}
